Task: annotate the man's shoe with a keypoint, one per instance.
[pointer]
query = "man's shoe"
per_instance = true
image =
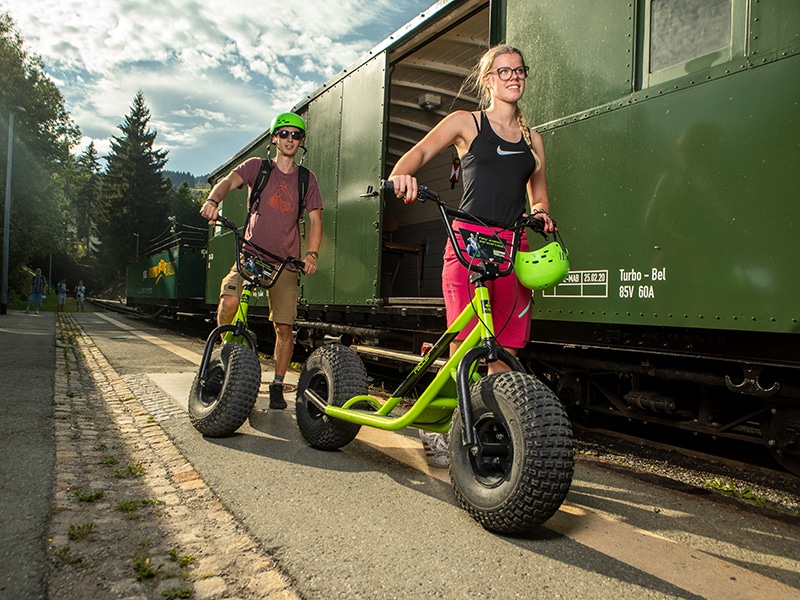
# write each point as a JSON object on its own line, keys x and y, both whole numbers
{"x": 276, "y": 399}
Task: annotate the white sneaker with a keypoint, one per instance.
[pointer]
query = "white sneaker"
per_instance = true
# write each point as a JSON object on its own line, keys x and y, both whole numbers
{"x": 435, "y": 445}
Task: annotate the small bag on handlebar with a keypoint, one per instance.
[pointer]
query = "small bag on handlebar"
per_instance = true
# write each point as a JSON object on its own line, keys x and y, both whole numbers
{"x": 482, "y": 244}
{"x": 257, "y": 268}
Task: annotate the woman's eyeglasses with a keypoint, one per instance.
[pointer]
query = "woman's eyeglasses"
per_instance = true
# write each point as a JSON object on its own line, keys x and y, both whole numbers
{"x": 504, "y": 73}
{"x": 285, "y": 133}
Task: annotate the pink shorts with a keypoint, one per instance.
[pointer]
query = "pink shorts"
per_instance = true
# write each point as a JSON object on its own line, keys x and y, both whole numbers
{"x": 511, "y": 301}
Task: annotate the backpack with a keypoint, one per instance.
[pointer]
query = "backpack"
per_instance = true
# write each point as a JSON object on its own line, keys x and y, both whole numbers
{"x": 261, "y": 183}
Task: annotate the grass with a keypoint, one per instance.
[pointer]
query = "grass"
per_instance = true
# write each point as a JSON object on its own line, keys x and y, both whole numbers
{"x": 50, "y": 303}
{"x": 177, "y": 593}
{"x": 730, "y": 489}
{"x": 83, "y": 497}
{"x": 78, "y": 532}
{"x": 131, "y": 507}
{"x": 134, "y": 470}
{"x": 143, "y": 568}
{"x": 65, "y": 555}
{"x": 183, "y": 561}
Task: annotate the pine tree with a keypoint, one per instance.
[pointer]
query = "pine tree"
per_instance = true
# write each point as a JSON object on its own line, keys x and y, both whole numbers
{"x": 86, "y": 207}
{"x": 185, "y": 207}
{"x": 135, "y": 194}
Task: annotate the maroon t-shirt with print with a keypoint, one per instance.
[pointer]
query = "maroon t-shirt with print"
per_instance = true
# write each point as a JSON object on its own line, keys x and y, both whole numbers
{"x": 274, "y": 225}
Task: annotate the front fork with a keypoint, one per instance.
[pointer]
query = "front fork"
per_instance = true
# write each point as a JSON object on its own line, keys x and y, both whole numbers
{"x": 487, "y": 350}
{"x": 233, "y": 332}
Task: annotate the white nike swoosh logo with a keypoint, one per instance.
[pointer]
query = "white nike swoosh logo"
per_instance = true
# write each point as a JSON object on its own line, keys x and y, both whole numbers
{"x": 501, "y": 152}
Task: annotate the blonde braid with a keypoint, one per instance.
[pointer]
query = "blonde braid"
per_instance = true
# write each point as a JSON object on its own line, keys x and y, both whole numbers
{"x": 526, "y": 134}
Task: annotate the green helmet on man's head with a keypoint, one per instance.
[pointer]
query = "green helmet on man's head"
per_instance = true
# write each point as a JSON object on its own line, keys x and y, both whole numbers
{"x": 287, "y": 119}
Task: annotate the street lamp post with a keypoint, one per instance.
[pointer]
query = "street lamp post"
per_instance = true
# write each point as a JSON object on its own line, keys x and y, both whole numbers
{"x": 7, "y": 213}
{"x": 137, "y": 246}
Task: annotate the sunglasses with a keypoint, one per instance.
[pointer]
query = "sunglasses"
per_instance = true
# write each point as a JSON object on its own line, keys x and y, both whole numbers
{"x": 285, "y": 133}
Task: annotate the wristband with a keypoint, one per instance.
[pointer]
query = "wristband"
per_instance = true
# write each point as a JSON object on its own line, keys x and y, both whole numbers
{"x": 313, "y": 254}
{"x": 214, "y": 202}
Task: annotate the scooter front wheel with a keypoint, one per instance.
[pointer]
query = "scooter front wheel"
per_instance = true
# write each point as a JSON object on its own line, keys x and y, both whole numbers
{"x": 218, "y": 407}
{"x": 335, "y": 373}
{"x": 524, "y": 471}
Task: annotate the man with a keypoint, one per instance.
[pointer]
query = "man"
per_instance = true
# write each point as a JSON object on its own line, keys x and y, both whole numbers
{"x": 38, "y": 284}
{"x": 272, "y": 224}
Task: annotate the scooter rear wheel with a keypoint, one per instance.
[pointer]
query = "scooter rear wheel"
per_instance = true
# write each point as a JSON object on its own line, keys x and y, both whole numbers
{"x": 220, "y": 406}
{"x": 524, "y": 473}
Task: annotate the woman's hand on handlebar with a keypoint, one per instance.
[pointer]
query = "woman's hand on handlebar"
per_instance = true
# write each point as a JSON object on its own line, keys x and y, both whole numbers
{"x": 549, "y": 225}
{"x": 405, "y": 187}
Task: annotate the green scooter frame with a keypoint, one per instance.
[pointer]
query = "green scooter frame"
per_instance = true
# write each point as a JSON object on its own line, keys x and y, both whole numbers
{"x": 226, "y": 386}
{"x": 510, "y": 451}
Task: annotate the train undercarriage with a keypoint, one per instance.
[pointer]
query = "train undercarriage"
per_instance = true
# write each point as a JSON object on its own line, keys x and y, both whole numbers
{"x": 735, "y": 385}
{"x": 741, "y": 386}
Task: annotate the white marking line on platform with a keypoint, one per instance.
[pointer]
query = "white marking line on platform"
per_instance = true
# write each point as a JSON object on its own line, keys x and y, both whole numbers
{"x": 686, "y": 568}
{"x": 189, "y": 355}
{"x": 174, "y": 385}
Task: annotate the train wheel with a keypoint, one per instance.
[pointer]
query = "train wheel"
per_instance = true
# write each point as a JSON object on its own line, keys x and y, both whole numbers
{"x": 526, "y": 469}
{"x": 336, "y": 374}
{"x": 222, "y": 405}
{"x": 781, "y": 430}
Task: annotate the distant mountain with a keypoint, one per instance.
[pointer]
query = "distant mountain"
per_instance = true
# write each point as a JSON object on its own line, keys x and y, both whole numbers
{"x": 194, "y": 182}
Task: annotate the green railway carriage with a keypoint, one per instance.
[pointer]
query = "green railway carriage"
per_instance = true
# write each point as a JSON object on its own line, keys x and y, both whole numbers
{"x": 169, "y": 279}
{"x": 672, "y": 132}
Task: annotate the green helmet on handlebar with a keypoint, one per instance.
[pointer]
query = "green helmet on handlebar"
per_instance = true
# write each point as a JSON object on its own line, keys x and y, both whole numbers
{"x": 543, "y": 268}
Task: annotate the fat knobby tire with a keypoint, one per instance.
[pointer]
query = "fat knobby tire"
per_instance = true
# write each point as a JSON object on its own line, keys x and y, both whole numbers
{"x": 336, "y": 373}
{"x": 528, "y": 478}
{"x": 233, "y": 379}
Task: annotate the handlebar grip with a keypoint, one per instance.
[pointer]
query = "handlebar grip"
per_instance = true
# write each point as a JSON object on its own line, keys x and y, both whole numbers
{"x": 226, "y": 223}
{"x": 423, "y": 192}
{"x": 536, "y": 224}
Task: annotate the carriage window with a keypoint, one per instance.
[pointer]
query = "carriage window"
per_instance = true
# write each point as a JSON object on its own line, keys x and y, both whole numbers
{"x": 684, "y": 30}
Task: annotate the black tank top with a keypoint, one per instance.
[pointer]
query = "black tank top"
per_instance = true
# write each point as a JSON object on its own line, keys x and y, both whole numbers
{"x": 496, "y": 174}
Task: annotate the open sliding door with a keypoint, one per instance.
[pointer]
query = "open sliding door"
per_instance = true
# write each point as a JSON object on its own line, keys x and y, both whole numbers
{"x": 345, "y": 150}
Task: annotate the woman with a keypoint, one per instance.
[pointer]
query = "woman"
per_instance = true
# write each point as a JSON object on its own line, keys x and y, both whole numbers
{"x": 80, "y": 295}
{"x": 502, "y": 161}
{"x": 61, "y": 289}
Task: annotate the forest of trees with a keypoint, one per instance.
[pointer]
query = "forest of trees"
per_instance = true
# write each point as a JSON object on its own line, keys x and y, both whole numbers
{"x": 67, "y": 211}
{"x": 194, "y": 182}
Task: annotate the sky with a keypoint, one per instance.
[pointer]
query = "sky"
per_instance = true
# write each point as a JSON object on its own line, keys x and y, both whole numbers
{"x": 213, "y": 72}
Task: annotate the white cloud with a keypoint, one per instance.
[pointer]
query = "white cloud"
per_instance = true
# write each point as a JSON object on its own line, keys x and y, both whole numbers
{"x": 213, "y": 72}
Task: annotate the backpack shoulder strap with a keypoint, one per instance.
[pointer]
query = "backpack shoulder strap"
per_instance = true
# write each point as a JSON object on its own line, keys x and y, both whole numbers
{"x": 302, "y": 183}
{"x": 259, "y": 185}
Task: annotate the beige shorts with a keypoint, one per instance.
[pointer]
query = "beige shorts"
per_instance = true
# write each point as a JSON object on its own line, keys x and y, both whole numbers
{"x": 282, "y": 296}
